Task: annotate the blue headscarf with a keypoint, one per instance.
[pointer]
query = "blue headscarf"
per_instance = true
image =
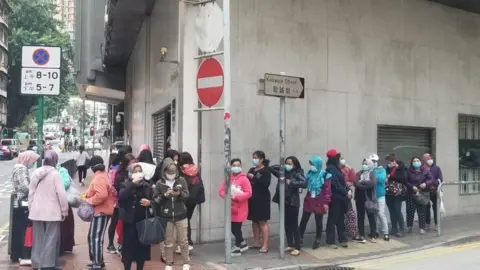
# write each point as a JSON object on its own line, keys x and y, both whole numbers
{"x": 315, "y": 179}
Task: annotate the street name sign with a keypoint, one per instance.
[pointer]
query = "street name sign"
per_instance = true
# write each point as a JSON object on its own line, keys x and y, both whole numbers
{"x": 284, "y": 86}
{"x": 41, "y": 70}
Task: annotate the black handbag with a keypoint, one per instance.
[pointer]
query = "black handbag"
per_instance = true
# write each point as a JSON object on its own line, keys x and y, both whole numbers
{"x": 151, "y": 231}
{"x": 421, "y": 197}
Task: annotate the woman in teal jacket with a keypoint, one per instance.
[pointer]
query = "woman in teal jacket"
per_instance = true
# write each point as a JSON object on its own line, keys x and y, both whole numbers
{"x": 381, "y": 175}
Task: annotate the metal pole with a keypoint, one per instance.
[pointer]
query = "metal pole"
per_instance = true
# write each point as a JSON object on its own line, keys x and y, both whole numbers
{"x": 226, "y": 116}
{"x": 439, "y": 227}
{"x": 282, "y": 176}
{"x": 82, "y": 128}
{"x": 112, "y": 127}
{"x": 40, "y": 129}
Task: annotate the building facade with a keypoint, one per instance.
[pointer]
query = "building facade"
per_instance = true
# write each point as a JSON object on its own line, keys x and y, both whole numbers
{"x": 4, "y": 12}
{"x": 381, "y": 76}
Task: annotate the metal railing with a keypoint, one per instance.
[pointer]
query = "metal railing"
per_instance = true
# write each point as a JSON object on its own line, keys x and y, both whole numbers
{"x": 440, "y": 199}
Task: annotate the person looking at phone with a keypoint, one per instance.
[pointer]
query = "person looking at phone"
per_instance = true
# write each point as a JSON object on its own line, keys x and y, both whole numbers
{"x": 171, "y": 192}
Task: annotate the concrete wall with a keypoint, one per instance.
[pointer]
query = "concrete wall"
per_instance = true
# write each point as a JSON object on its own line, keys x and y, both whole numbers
{"x": 366, "y": 62}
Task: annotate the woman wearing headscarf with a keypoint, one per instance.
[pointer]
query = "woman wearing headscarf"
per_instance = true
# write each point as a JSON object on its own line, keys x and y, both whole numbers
{"x": 47, "y": 202}
{"x": 319, "y": 195}
{"x": 145, "y": 155}
{"x": 18, "y": 207}
{"x": 99, "y": 195}
{"x": 172, "y": 154}
{"x": 341, "y": 195}
{"x": 294, "y": 180}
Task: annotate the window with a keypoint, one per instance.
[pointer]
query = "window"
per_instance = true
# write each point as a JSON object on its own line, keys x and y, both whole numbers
{"x": 469, "y": 153}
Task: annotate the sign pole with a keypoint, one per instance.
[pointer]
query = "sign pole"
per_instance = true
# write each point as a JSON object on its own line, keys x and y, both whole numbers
{"x": 82, "y": 134}
{"x": 282, "y": 175}
{"x": 226, "y": 117}
{"x": 40, "y": 129}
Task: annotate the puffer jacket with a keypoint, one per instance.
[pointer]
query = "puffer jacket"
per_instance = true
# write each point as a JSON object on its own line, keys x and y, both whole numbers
{"x": 292, "y": 190}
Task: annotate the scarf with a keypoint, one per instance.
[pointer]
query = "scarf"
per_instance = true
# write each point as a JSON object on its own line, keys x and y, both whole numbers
{"x": 315, "y": 180}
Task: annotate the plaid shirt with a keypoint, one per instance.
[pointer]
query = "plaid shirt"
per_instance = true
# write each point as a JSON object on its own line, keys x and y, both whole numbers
{"x": 20, "y": 181}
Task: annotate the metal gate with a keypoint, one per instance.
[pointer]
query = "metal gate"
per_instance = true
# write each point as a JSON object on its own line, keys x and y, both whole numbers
{"x": 404, "y": 142}
{"x": 159, "y": 135}
{"x": 469, "y": 141}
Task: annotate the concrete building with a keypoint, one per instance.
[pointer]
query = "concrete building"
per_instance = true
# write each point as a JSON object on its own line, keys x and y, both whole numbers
{"x": 4, "y": 12}
{"x": 381, "y": 76}
{"x": 66, "y": 14}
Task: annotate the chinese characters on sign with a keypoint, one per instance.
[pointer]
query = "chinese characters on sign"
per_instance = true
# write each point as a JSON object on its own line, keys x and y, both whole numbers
{"x": 284, "y": 86}
{"x": 40, "y": 81}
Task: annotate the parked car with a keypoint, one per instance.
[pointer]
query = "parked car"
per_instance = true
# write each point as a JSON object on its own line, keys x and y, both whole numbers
{"x": 5, "y": 153}
{"x": 15, "y": 145}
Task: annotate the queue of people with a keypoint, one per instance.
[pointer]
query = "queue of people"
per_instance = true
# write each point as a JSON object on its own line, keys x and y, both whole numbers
{"x": 124, "y": 194}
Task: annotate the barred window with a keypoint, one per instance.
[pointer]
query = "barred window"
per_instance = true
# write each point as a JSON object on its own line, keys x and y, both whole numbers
{"x": 469, "y": 153}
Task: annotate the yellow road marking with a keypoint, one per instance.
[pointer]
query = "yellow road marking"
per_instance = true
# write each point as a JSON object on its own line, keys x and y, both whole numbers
{"x": 422, "y": 254}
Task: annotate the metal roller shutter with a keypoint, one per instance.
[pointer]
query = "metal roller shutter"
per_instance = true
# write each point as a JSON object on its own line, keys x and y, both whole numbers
{"x": 404, "y": 142}
{"x": 159, "y": 135}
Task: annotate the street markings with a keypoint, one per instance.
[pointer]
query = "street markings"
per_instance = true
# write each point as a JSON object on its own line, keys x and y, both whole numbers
{"x": 412, "y": 256}
{"x": 4, "y": 231}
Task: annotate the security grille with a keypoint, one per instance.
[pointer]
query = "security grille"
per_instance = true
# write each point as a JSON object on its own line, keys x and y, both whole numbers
{"x": 159, "y": 135}
{"x": 469, "y": 129}
{"x": 404, "y": 142}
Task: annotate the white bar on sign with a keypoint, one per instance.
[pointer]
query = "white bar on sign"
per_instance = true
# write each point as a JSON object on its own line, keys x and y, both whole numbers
{"x": 209, "y": 82}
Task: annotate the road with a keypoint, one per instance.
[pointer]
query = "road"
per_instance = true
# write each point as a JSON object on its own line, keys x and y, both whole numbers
{"x": 5, "y": 191}
{"x": 463, "y": 257}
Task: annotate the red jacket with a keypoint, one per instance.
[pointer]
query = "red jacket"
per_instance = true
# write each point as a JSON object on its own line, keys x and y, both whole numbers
{"x": 239, "y": 201}
{"x": 350, "y": 175}
{"x": 316, "y": 205}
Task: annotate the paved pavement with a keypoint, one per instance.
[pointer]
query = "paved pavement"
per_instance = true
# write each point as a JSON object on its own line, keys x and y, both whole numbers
{"x": 463, "y": 257}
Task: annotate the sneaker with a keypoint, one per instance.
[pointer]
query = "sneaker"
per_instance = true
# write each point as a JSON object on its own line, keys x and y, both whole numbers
{"x": 343, "y": 245}
{"x": 422, "y": 231}
{"x": 119, "y": 250}
{"x": 333, "y": 246}
{"x": 168, "y": 267}
{"x": 295, "y": 252}
{"x": 186, "y": 267}
{"x": 190, "y": 247}
{"x": 178, "y": 250}
{"x": 316, "y": 244}
{"x": 243, "y": 246}
{"x": 25, "y": 262}
{"x": 373, "y": 240}
{"x": 236, "y": 251}
{"x": 386, "y": 238}
{"x": 91, "y": 266}
{"x": 288, "y": 249}
{"x": 399, "y": 235}
{"x": 359, "y": 239}
{"x": 112, "y": 249}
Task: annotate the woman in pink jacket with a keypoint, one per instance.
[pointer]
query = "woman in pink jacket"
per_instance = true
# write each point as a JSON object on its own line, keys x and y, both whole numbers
{"x": 241, "y": 191}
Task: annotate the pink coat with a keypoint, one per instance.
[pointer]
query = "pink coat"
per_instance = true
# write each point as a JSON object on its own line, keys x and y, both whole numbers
{"x": 239, "y": 201}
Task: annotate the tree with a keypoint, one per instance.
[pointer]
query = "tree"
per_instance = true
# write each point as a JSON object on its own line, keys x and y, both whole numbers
{"x": 74, "y": 111}
{"x": 32, "y": 23}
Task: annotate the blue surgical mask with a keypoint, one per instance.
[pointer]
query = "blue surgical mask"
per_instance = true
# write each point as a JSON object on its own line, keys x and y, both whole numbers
{"x": 365, "y": 167}
{"x": 416, "y": 164}
{"x": 288, "y": 167}
{"x": 236, "y": 170}
{"x": 313, "y": 169}
{"x": 255, "y": 162}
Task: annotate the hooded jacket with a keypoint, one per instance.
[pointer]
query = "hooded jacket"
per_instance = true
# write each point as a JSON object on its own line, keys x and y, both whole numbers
{"x": 381, "y": 175}
{"x": 100, "y": 194}
{"x": 191, "y": 174}
{"x": 47, "y": 198}
{"x": 239, "y": 200}
{"x": 171, "y": 208}
{"x": 292, "y": 193}
{"x": 417, "y": 177}
{"x": 316, "y": 204}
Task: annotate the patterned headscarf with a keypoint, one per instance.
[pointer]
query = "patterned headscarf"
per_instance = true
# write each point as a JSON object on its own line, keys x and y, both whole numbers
{"x": 27, "y": 157}
{"x": 50, "y": 159}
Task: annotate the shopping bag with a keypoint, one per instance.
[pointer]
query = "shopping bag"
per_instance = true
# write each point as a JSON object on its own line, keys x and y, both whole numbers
{"x": 151, "y": 230}
{"x": 73, "y": 196}
{"x": 443, "y": 212}
{"x": 28, "y": 237}
{"x": 85, "y": 212}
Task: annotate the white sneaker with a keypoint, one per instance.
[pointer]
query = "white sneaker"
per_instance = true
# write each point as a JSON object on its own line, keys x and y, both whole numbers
{"x": 168, "y": 267}
{"x": 178, "y": 250}
{"x": 25, "y": 262}
{"x": 190, "y": 248}
{"x": 186, "y": 267}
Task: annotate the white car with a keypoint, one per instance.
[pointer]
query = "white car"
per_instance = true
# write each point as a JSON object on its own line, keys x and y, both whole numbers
{"x": 96, "y": 146}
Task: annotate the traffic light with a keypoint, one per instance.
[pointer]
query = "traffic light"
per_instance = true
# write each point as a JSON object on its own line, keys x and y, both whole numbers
{"x": 66, "y": 130}
{"x": 92, "y": 131}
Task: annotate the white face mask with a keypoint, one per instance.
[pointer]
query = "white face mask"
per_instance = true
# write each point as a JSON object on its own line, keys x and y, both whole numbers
{"x": 138, "y": 175}
{"x": 430, "y": 162}
{"x": 170, "y": 176}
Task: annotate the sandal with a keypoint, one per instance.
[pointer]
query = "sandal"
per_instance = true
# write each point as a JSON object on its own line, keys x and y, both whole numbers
{"x": 263, "y": 250}
{"x": 295, "y": 252}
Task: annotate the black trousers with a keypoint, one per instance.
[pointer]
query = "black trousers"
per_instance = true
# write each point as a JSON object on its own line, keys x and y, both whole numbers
{"x": 360, "y": 204}
{"x": 237, "y": 232}
{"x": 394, "y": 204}
{"x": 190, "y": 210}
{"x": 292, "y": 231}
{"x": 318, "y": 224}
{"x": 336, "y": 218}
{"x": 434, "y": 206}
{"x": 113, "y": 226}
{"x": 82, "y": 173}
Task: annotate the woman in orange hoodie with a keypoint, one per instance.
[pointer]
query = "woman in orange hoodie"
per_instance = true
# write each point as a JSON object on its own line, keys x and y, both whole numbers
{"x": 100, "y": 196}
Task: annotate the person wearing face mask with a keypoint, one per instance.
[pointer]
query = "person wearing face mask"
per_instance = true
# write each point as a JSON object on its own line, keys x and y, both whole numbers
{"x": 350, "y": 217}
{"x": 436, "y": 172}
{"x": 294, "y": 180}
{"x": 319, "y": 195}
{"x": 364, "y": 193}
{"x": 19, "y": 222}
{"x": 134, "y": 199}
{"x": 395, "y": 191}
{"x": 419, "y": 181}
{"x": 259, "y": 204}
{"x": 171, "y": 154}
{"x": 241, "y": 191}
{"x": 380, "y": 189}
{"x": 171, "y": 192}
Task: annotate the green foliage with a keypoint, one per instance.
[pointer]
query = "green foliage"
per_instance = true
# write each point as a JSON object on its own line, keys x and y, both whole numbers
{"x": 31, "y": 22}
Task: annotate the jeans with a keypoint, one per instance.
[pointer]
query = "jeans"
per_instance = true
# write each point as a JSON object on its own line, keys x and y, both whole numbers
{"x": 82, "y": 173}
{"x": 318, "y": 224}
{"x": 190, "y": 210}
{"x": 291, "y": 226}
{"x": 381, "y": 217}
{"x": 434, "y": 206}
{"x": 237, "y": 232}
{"x": 180, "y": 228}
{"x": 361, "y": 219}
{"x": 394, "y": 204}
{"x": 113, "y": 226}
{"x": 336, "y": 218}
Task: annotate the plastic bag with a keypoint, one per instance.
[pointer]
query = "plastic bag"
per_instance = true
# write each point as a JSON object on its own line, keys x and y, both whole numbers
{"x": 85, "y": 212}
{"x": 443, "y": 212}
{"x": 73, "y": 196}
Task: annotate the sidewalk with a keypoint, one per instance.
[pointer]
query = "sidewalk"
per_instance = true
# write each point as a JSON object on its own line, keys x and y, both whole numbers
{"x": 211, "y": 255}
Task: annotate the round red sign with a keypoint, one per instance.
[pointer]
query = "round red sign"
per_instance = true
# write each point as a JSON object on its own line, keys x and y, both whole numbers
{"x": 210, "y": 82}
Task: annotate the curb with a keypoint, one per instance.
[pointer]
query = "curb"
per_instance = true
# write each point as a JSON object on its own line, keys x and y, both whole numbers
{"x": 337, "y": 265}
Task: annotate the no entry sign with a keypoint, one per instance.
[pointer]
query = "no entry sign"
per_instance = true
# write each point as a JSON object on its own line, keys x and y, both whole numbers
{"x": 210, "y": 82}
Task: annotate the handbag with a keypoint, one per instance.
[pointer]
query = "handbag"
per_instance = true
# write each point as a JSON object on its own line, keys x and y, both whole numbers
{"x": 421, "y": 197}
{"x": 371, "y": 204}
{"x": 151, "y": 231}
{"x": 74, "y": 198}
{"x": 396, "y": 189}
{"x": 28, "y": 242}
{"x": 85, "y": 212}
